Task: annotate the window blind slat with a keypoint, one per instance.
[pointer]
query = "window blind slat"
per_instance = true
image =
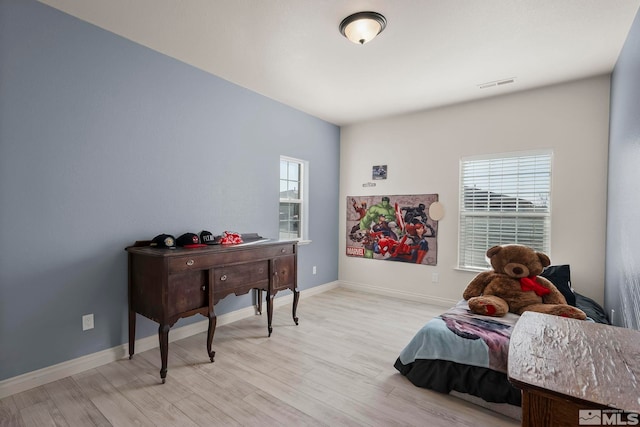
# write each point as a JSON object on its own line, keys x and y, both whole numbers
{"x": 503, "y": 200}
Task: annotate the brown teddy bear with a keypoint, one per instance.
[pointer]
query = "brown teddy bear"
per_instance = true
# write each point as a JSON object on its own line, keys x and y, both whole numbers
{"x": 514, "y": 285}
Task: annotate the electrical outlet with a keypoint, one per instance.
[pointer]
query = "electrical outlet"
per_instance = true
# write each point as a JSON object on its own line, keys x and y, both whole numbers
{"x": 314, "y": 269}
{"x": 435, "y": 277}
{"x": 87, "y": 322}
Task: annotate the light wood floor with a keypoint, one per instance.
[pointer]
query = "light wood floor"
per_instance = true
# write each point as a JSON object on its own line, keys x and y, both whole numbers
{"x": 334, "y": 369}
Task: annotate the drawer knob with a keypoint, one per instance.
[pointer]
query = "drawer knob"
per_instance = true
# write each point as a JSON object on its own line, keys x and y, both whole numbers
{"x": 283, "y": 250}
{"x": 204, "y": 288}
{"x": 223, "y": 278}
{"x": 190, "y": 262}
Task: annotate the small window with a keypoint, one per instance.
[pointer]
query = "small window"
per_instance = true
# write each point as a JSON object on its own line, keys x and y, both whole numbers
{"x": 503, "y": 199}
{"x": 292, "y": 199}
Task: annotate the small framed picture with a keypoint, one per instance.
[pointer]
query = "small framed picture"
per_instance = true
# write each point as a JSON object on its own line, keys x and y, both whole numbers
{"x": 379, "y": 172}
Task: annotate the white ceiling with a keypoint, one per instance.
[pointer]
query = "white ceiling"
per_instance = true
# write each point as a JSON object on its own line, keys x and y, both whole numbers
{"x": 432, "y": 53}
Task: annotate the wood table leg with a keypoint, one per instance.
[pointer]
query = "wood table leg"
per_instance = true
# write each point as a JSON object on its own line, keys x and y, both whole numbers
{"x": 132, "y": 333}
{"x": 210, "y": 332}
{"x": 296, "y": 296}
{"x": 163, "y": 334}
{"x": 270, "y": 311}
{"x": 259, "y": 300}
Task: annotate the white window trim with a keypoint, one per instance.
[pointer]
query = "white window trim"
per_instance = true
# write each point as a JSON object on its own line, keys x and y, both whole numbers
{"x": 507, "y": 155}
{"x": 303, "y": 200}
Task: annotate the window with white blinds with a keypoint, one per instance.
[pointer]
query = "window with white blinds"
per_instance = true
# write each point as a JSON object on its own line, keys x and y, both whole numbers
{"x": 503, "y": 199}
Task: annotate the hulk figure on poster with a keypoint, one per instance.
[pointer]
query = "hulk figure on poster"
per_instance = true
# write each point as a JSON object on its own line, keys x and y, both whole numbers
{"x": 393, "y": 228}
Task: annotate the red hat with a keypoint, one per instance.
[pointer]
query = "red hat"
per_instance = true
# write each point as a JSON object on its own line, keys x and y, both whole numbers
{"x": 190, "y": 240}
{"x": 230, "y": 238}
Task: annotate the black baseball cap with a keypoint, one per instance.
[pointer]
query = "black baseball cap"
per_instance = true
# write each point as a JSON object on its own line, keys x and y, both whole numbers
{"x": 166, "y": 241}
{"x": 189, "y": 240}
{"x": 207, "y": 238}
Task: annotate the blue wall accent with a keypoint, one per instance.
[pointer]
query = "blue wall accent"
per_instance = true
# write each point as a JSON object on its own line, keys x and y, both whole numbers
{"x": 104, "y": 142}
{"x": 622, "y": 276}
{"x": 622, "y": 268}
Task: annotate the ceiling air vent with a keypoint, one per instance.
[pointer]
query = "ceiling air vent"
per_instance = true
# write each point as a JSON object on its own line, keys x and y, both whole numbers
{"x": 497, "y": 83}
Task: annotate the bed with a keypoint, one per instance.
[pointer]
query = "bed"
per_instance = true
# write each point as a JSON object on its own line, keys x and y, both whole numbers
{"x": 466, "y": 354}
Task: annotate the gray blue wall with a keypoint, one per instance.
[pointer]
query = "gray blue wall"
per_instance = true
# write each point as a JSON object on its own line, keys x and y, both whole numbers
{"x": 622, "y": 284}
{"x": 104, "y": 142}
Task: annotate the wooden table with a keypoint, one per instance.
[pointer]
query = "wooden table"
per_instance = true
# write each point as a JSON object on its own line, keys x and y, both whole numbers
{"x": 573, "y": 371}
{"x": 168, "y": 284}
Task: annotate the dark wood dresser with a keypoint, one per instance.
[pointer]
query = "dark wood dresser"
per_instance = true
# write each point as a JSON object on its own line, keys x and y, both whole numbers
{"x": 573, "y": 372}
{"x": 168, "y": 284}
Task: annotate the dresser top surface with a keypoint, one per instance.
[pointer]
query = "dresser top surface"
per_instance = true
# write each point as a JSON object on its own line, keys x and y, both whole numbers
{"x": 209, "y": 249}
{"x": 575, "y": 358}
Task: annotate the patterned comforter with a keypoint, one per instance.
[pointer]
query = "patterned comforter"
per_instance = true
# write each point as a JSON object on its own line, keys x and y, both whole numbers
{"x": 462, "y": 351}
{"x": 463, "y": 337}
{"x": 468, "y": 353}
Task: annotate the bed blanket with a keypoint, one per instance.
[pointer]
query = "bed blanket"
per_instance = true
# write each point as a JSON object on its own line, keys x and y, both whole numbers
{"x": 460, "y": 336}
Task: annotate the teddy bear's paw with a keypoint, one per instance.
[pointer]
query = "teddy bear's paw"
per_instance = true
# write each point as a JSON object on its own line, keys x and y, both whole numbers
{"x": 570, "y": 312}
{"x": 562, "y": 310}
{"x": 486, "y": 307}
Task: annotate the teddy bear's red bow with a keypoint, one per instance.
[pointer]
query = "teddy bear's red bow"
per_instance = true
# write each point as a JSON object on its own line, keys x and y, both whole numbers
{"x": 530, "y": 284}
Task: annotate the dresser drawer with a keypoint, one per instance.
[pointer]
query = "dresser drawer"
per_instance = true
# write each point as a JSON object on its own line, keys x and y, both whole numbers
{"x": 280, "y": 250}
{"x": 190, "y": 262}
{"x": 240, "y": 277}
{"x": 235, "y": 255}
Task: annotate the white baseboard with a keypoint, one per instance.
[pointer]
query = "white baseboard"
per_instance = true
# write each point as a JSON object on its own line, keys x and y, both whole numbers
{"x": 394, "y": 293}
{"x": 52, "y": 373}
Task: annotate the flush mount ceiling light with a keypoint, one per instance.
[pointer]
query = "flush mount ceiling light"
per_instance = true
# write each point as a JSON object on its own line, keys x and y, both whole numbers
{"x": 362, "y": 27}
